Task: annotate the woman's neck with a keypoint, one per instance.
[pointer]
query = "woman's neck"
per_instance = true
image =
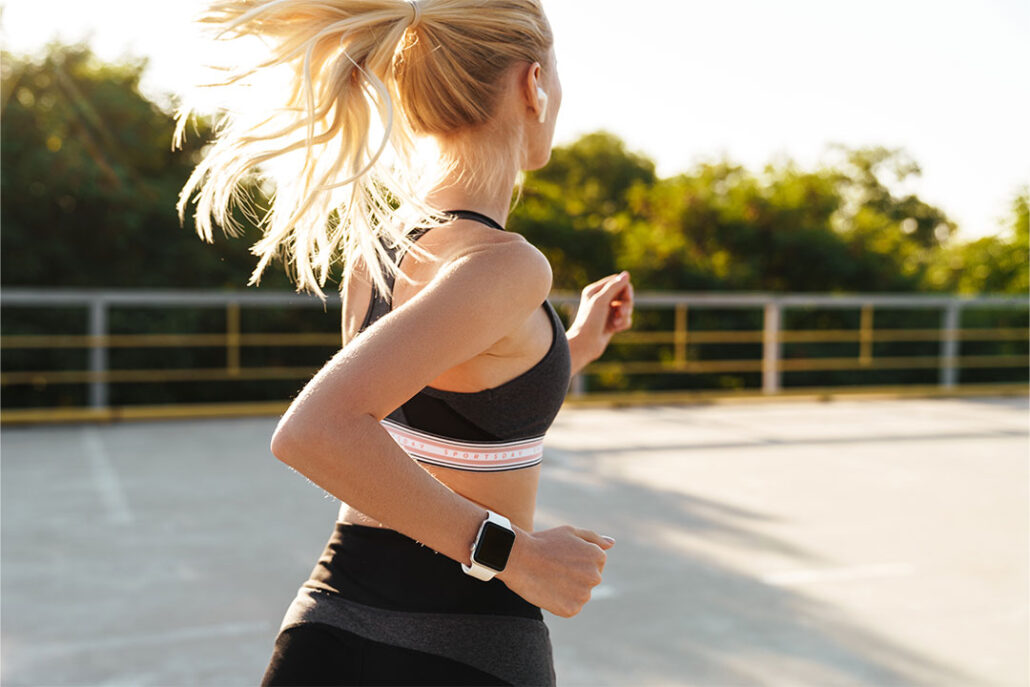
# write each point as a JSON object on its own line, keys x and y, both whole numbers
{"x": 481, "y": 181}
{"x": 494, "y": 206}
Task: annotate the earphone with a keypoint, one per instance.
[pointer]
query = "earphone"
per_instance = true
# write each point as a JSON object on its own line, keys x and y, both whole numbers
{"x": 542, "y": 97}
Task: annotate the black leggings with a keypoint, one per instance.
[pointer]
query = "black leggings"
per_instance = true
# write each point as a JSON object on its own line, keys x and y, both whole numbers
{"x": 380, "y": 608}
{"x": 321, "y": 654}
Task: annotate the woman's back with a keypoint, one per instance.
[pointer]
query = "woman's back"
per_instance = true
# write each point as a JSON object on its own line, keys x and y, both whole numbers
{"x": 507, "y": 394}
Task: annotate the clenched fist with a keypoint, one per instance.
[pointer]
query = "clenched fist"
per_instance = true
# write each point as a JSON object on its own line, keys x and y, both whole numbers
{"x": 556, "y": 569}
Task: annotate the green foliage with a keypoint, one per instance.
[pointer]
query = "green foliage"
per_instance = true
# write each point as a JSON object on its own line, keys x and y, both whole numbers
{"x": 90, "y": 182}
{"x": 996, "y": 264}
{"x": 597, "y": 208}
{"x": 570, "y": 207}
{"x": 723, "y": 228}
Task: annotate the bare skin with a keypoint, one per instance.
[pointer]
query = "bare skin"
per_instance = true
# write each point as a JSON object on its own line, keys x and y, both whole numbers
{"x": 511, "y": 492}
{"x": 331, "y": 432}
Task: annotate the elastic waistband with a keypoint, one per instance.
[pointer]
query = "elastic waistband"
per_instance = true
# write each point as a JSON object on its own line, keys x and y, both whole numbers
{"x": 468, "y": 455}
{"x": 384, "y": 568}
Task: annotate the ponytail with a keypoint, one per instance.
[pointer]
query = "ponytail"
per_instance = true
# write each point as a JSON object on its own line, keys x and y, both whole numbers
{"x": 338, "y": 153}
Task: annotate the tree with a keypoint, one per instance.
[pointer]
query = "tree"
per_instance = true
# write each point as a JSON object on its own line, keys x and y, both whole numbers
{"x": 832, "y": 229}
{"x": 90, "y": 181}
{"x": 991, "y": 264}
{"x": 569, "y": 208}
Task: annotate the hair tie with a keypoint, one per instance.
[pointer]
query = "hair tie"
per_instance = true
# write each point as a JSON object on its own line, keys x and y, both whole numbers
{"x": 416, "y": 13}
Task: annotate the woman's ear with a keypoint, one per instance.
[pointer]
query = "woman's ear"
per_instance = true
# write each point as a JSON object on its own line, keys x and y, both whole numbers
{"x": 536, "y": 97}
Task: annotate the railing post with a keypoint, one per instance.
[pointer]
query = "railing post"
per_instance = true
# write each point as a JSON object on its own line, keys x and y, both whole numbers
{"x": 949, "y": 344}
{"x": 865, "y": 335}
{"x": 679, "y": 335}
{"x": 98, "y": 353}
{"x": 577, "y": 387}
{"x": 771, "y": 349}
{"x": 232, "y": 337}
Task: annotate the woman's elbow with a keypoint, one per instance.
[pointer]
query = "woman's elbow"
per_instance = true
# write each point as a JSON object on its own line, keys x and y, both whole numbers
{"x": 280, "y": 445}
{"x": 292, "y": 444}
{"x": 285, "y": 442}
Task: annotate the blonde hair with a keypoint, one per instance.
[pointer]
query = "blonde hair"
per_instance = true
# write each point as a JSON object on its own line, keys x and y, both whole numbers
{"x": 335, "y": 189}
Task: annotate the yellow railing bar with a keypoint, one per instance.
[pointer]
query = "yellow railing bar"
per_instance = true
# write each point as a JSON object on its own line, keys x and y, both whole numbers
{"x": 974, "y": 334}
{"x": 184, "y": 374}
{"x": 625, "y": 367}
{"x": 903, "y": 362}
{"x": 646, "y": 337}
{"x": 609, "y": 399}
{"x": 168, "y": 340}
{"x": 803, "y": 364}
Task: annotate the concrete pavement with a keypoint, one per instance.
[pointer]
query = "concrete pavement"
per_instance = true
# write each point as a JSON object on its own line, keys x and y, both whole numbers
{"x": 850, "y": 542}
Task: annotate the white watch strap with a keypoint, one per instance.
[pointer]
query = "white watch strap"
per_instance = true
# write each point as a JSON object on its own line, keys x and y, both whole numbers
{"x": 476, "y": 570}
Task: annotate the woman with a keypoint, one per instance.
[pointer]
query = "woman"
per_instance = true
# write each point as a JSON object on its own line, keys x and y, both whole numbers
{"x": 428, "y": 423}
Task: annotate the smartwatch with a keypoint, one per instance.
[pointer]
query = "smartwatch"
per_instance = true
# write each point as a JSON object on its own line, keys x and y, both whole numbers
{"x": 492, "y": 547}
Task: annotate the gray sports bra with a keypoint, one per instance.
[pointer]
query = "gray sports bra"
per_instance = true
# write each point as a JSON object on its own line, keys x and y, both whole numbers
{"x": 500, "y": 428}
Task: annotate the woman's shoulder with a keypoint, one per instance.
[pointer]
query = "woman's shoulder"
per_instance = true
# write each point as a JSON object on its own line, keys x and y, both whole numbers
{"x": 475, "y": 249}
{"x": 463, "y": 235}
{"x": 507, "y": 248}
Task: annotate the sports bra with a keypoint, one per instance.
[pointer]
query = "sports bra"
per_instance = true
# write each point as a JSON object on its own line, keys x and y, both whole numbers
{"x": 495, "y": 429}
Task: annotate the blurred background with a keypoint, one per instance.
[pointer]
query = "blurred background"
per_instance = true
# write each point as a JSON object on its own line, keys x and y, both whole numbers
{"x": 815, "y": 200}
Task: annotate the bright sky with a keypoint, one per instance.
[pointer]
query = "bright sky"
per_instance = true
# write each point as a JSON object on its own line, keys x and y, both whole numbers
{"x": 683, "y": 81}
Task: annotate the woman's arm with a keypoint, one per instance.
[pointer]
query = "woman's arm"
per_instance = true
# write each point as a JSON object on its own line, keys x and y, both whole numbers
{"x": 369, "y": 471}
{"x": 331, "y": 432}
{"x": 605, "y": 308}
{"x": 580, "y": 353}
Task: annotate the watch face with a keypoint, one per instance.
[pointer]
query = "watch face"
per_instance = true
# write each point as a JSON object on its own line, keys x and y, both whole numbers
{"x": 494, "y": 546}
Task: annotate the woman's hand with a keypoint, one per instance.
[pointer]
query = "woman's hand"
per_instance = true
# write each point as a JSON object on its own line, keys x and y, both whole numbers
{"x": 605, "y": 307}
{"x": 555, "y": 569}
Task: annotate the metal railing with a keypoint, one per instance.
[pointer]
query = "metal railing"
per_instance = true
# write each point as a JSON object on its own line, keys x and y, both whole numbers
{"x": 772, "y": 336}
